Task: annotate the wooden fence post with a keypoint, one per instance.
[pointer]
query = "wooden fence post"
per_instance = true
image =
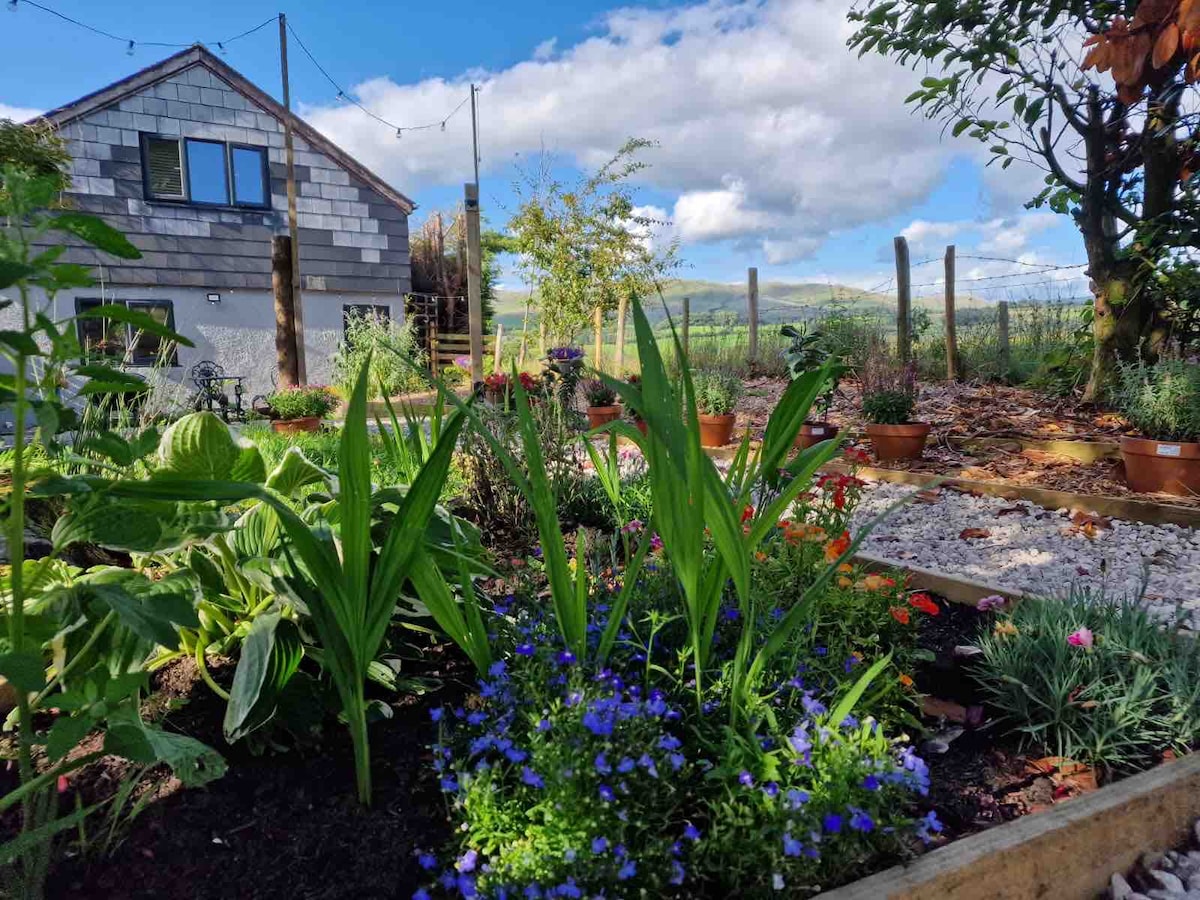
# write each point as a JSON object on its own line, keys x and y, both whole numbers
{"x": 903, "y": 302}
{"x": 619, "y": 362}
{"x": 285, "y": 311}
{"x": 687, "y": 319}
{"x": 752, "y": 310}
{"x": 474, "y": 276}
{"x": 952, "y": 366}
{"x": 499, "y": 341}
{"x": 598, "y": 339}
{"x": 1002, "y": 317}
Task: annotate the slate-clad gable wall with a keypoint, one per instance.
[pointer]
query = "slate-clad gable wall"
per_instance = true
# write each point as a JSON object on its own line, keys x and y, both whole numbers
{"x": 351, "y": 238}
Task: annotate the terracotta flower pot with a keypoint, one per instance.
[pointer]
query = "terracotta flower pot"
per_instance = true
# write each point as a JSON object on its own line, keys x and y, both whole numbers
{"x": 905, "y": 441}
{"x": 1161, "y": 466}
{"x": 602, "y": 415}
{"x": 716, "y": 431}
{"x": 814, "y": 432}
{"x": 296, "y": 426}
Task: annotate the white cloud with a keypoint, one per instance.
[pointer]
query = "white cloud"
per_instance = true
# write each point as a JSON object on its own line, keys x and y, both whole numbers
{"x": 770, "y": 129}
{"x": 546, "y": 49}
{"x": 17, "y": 113}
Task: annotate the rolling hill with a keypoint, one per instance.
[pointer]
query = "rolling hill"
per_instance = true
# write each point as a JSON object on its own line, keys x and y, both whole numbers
{"x": 779, "y": 301}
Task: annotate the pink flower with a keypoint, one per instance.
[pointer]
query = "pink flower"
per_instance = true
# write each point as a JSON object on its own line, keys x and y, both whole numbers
{"x": 655, "y": 542}
{"x": 632, "y": 527}
{"x": 63, "y": 784}
{"x": 1081, "y": 638}
{"x": 991, "y": 602}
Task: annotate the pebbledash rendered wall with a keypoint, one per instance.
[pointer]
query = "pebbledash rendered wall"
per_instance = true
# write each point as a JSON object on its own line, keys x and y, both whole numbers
{"x": 353, "y": 236}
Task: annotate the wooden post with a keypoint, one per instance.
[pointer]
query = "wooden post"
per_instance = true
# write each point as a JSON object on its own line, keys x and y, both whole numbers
{"x": 687, "y": 319}
{"x": 952, "y": 367}
{"x": 542, "y": 339}
{"x": 619, "y": 360}
{"x": 1002, "y": 317}
{"x": 496, "y": 356}
{"x": 752, "y": 310}
{"x": 285, "y": 319}
{"x": 474, "y": 276}
{"x": 293, "y": 228}
{"x": 598, "y": 339}
{"x": 903, "y": 302}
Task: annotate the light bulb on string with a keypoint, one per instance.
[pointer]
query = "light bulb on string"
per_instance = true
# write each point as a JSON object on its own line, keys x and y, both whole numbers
{"x": 221, "y": 47}
{"x": 443, "y": 126}
{"x": 12, "y": 5}
{"x": 129, "y": 49}
{"x": 398, "y": 133}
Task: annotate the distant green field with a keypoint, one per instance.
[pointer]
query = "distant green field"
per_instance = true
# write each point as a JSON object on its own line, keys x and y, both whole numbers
{"x": 779, "y": 302}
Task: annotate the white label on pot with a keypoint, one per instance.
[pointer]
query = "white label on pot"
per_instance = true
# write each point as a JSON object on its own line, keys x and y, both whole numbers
{"x": 1168, "y": 450}
{"x": 817, "y": 432}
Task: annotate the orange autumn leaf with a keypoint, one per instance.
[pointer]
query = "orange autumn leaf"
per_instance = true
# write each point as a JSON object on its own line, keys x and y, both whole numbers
{"x": 1166, "y": 45}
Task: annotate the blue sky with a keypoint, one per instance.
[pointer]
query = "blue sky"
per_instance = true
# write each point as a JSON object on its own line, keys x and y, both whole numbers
{"x": 777, "y": 147}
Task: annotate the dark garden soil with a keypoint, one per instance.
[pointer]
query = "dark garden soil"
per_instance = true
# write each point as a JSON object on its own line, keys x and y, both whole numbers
{"x": 280, "y": 824}
{"x": 286, "y": 825}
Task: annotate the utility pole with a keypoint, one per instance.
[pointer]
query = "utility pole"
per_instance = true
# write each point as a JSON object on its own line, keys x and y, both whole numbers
{"x": 285, "y": 319}
{"x": 475, "y": 135}
{"x": 474, "y": 275}
{"x": 293, "y": 229}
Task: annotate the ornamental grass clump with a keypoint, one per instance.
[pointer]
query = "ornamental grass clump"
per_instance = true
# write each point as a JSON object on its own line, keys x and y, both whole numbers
{"x": 1093, "y": 679}
{"x": 717, "y": 392}
{"x": 1161, "y": 400}
{"x": 889, "y": 389}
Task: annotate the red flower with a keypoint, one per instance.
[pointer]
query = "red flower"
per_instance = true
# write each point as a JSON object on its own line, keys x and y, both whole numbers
{"x": 924, "y": 604}
{"x": 899, "y": 613}
{"x": 747, "y": 513}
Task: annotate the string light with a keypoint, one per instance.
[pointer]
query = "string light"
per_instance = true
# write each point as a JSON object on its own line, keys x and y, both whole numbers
{"x": 343, "y": 95}
{"x": 130, "y": 44}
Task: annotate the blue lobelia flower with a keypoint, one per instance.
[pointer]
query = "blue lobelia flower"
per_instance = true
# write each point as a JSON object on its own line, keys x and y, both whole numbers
{"x": 832, "y": 823}
{"x": 791, "y": 846}
{"x": 860, "y": 820}
{"x": 599, "y": 845}
{"x": 532, "y": 778}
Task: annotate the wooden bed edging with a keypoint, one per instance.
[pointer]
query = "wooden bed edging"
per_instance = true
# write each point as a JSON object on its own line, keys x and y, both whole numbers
{"x": 1068, "y": 852}
{"x": 1081, "y": 451}
{"x": 956, "y": 588}
{"x": 1113, "y": 507}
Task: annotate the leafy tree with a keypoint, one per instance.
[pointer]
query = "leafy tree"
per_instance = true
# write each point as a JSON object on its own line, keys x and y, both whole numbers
{"x": 1119, "y": 151}
{"x": 35, "y": 149}
{"x": 585, "y": 248}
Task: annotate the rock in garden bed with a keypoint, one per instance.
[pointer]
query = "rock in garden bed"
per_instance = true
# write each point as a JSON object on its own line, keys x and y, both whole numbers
{"x": 1175, "y": 873}
{"x": 1023, "y": 547}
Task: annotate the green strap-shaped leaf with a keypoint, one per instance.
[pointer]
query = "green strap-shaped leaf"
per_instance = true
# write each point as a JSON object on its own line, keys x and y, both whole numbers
{"x": 137, "y": 319}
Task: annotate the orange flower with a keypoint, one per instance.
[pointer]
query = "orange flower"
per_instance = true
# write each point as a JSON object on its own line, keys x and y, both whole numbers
{"x": 837, "y": 547}
{"x": 906, "y": 681}
{"x": 899, "y": 613}
{"x": 1005, "y": 628}
{"x": 804, "y": 532}
{"x": 784, "y": 524}
{"x": 843, "y": 581}
{"x": 876, "y": 583}
{"x": 760, "y": 556}
{"x": 845, "y": 567}
{"x": 924, "y": 604}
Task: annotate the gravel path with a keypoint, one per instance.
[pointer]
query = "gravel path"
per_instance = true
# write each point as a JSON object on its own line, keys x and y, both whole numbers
{"x": 1020, "y": 546}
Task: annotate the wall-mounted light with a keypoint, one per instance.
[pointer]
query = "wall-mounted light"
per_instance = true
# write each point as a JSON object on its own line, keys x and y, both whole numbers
{"x": 213, "y": 298}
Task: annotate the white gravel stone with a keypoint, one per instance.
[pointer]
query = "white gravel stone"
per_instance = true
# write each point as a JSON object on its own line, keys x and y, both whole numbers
{"x": 1039, "y": 552}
